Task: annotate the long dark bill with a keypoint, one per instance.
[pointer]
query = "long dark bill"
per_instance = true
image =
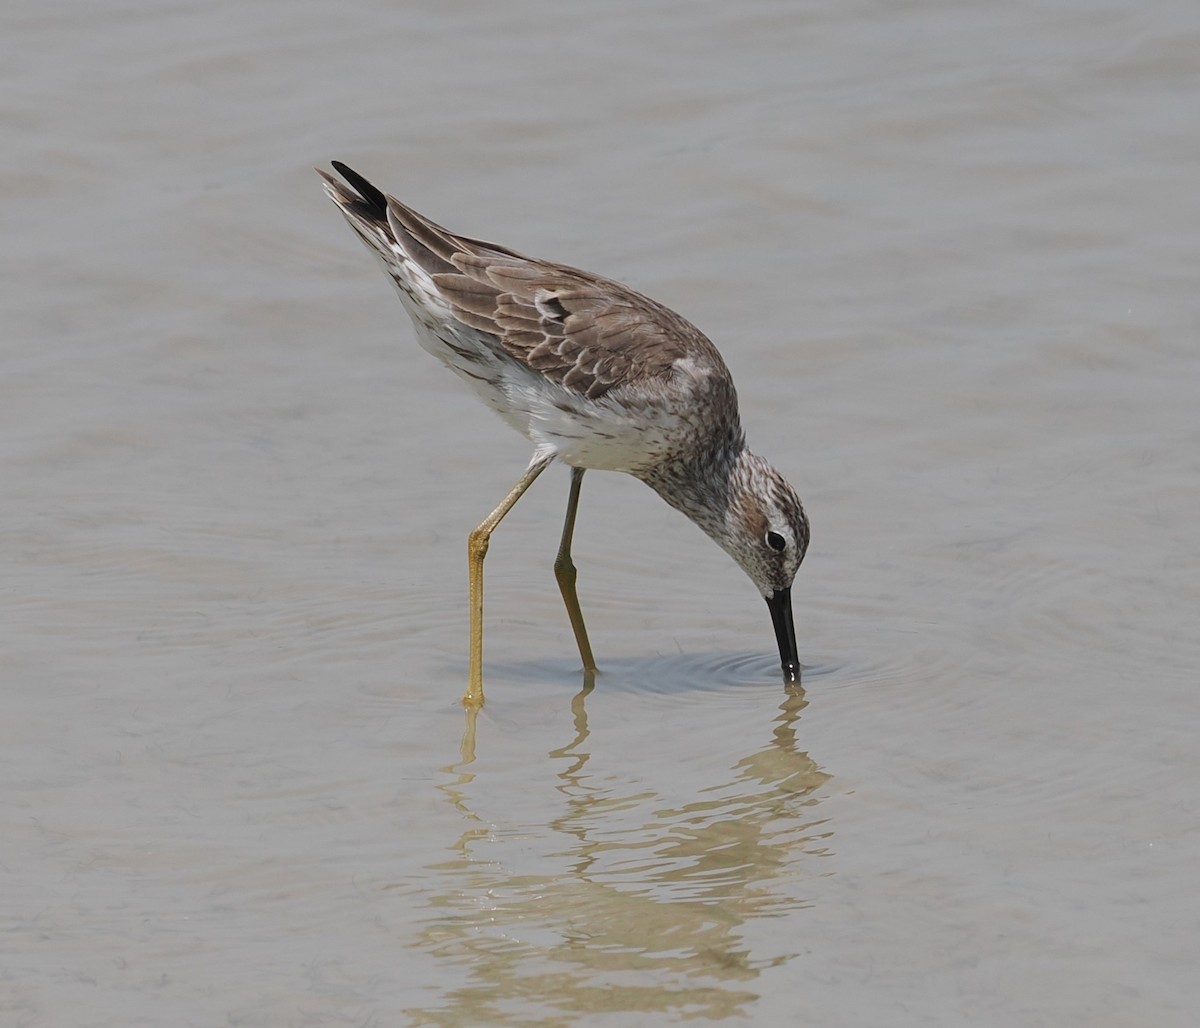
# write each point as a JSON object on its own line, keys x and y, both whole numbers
{"x": 780, "y": 603}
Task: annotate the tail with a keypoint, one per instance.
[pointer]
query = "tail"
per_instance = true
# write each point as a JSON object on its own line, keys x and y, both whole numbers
{"x": 369, "y": 203}
{"x": 393, "y": 229}
{"x": 414, "y": 252}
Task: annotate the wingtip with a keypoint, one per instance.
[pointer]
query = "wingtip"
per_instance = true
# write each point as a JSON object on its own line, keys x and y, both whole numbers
{"x": 372, "y": 196}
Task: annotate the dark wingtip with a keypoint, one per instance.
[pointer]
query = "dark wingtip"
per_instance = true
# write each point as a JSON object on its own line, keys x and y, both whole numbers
{"x": 373, "y": 197}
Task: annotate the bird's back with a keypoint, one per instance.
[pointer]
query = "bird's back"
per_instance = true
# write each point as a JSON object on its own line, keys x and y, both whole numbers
{"x": 595, "y": 372}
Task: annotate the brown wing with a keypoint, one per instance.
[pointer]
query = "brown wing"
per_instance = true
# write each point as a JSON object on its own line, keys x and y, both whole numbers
{"x": 585, "y": 332}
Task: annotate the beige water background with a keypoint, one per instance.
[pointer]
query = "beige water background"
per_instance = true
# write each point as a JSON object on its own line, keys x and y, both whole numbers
{"x": 950, "y": 251}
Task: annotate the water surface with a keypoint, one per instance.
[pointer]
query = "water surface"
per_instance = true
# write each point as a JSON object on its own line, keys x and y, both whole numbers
{"x": 949, "y": 252}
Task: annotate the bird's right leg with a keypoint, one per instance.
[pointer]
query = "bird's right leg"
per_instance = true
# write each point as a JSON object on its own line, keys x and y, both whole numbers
{"x": 564, "y": 571}
{"x": 477, "y": 547}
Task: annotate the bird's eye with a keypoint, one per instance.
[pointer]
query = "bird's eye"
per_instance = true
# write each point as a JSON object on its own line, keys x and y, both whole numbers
{"x": 776, "y": 541}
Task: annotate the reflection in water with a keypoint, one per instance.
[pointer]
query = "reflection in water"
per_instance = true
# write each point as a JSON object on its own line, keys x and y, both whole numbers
{"x": 641, "y": 916}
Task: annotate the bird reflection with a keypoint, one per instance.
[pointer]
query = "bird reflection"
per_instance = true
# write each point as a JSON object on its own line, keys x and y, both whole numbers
{"x": 644, "y": 907}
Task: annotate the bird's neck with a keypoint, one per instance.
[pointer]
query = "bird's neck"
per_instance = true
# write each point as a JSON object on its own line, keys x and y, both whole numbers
{"x": 701, "y": 484}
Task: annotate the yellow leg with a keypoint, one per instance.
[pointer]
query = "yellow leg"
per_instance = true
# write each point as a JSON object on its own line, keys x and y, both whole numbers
{"x": 564, "y": 571}
{"x": 477, "y": 547}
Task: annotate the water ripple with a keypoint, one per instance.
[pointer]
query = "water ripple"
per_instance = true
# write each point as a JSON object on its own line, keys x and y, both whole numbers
{"x": 667, "y": 674}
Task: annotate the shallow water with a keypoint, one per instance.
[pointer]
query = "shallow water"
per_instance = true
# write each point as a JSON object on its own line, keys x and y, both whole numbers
{"x": 949, "y": 252}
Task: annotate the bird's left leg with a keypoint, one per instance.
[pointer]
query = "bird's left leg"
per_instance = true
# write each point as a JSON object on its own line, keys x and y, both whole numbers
{"x": 564, "y": 571}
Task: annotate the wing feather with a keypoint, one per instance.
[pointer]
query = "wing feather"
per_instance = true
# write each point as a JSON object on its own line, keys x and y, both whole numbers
{"x": 587, "y": 333}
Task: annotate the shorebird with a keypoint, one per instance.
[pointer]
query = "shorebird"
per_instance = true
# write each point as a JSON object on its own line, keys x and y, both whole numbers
{"x": 597, "y": 376}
